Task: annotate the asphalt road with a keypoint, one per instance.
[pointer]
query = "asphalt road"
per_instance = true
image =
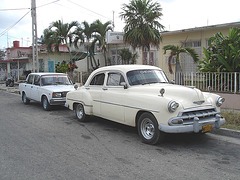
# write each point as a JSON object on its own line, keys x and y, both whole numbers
{"x": 35, "y": 144}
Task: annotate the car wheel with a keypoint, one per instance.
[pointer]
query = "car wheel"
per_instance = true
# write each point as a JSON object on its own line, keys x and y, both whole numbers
{"x": 25, "y": 99}
{"x": 148, "y": 129}
{"x": 45, "y": 104}
{"x": 11, "y": 84}
{"x": 80, "y": 113}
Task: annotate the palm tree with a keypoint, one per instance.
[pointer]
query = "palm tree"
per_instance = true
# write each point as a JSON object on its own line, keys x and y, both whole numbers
{"x": 175, "y": 51}
{"x": 127, "y": 56}
{"x": 142, "y": 27}
{"x": 59, "y": 33}
{"x": 100, "y": 36}
{"x": 84, "y": 35}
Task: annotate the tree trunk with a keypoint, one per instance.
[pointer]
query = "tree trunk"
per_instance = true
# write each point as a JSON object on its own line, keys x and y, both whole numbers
{"x": 142, "y": 55}
{"x": 105, "y": 57}
{"x": 179, "y": 78}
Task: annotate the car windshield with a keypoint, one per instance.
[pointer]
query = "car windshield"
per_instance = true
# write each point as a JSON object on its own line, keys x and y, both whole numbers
{"x": 146, "y": 76}
{"x": 55, "y": 80}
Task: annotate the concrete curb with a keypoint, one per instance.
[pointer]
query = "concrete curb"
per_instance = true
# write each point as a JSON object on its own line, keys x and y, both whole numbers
{"x": 227, "y": 132}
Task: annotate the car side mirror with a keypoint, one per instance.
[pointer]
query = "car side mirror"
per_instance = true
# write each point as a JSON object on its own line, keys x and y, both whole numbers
{"x": 172, "y": 82}
{"x": 124, "y": 84}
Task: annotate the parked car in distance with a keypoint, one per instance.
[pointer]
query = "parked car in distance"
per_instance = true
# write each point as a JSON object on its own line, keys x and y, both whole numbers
{"x": 47, "y": 88}
{"x": 141, "y": 96}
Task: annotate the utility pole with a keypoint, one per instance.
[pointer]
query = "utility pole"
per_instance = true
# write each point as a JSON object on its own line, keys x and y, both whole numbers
{"x": 34, "y": 37}
{"x": 113, "y": 21}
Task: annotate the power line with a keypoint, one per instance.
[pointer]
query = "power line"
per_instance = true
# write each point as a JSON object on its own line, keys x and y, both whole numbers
{"x": 6, "y": 30}
{"x": 87, "y": 9}
{"x": 13, "y": 9}
{"x": 48, "y": 3}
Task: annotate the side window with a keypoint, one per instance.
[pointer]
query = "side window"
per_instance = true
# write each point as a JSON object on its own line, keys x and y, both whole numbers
{"x": 114, "y": 79}
{"x": 37, "y": 80}
{"x": 98, "y": 79}
{"x": 30, "y": 79}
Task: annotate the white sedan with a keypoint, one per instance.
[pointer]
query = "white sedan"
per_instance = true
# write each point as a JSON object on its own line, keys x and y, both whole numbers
{"x": 141, "y": 96}
{"x": 47, "y": 88}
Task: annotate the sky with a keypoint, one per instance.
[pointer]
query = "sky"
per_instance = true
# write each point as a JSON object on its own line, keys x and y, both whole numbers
{"x": 16, "y": 23}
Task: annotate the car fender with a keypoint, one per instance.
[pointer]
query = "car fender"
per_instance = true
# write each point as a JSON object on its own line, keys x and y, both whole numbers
{"x": 158, "y": 106}
{"x": 81, "y": 96}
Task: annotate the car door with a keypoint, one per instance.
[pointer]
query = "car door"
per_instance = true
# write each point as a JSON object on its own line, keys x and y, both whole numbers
{"x": 28, "y": 86}
{"x": 35, "y": 88}
{"x": 113, "y": 98}
{"x": 95, "y": 90}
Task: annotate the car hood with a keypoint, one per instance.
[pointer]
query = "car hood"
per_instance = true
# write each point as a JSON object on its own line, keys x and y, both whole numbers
{"x": 59, "y": 88}
{"x": 187, "y": 96}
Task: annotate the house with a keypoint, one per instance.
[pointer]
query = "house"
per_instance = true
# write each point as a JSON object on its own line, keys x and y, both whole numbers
{"x": 197, "y": 38}
{"x": 17, "y": 62}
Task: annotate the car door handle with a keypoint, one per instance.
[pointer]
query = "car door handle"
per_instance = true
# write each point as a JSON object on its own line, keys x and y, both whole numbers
{"x": 104, "y": 88}
{"x": 31, "y": 86}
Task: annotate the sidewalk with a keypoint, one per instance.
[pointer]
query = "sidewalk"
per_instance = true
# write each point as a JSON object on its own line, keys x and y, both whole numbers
{"x": 14, "y": 89}
{"x": 221, "y": 131}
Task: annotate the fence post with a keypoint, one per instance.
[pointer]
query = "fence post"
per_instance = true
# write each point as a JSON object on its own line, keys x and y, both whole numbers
{"x": 191, "y": 78}
{"x": 235, "y": 82}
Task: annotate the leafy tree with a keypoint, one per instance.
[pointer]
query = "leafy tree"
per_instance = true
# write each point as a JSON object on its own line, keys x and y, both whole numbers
{"x": 142, "y": 27}
{"x": 223, "y": 53}
{"x": 127, "y": 56}
{"x": 175, "y": 51}
{"x": 65, "y": 67}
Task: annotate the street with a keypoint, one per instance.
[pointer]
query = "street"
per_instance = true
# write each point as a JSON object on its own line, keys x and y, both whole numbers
{"x": 39, "y": 145}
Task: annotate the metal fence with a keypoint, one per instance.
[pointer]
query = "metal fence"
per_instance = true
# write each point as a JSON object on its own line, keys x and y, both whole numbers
{"x": 228, "y": 82}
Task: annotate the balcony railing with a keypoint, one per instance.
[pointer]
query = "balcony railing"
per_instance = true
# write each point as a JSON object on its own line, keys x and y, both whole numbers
{"x": 213, "y": 81}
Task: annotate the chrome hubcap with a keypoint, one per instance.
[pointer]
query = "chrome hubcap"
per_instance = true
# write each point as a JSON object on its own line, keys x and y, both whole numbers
{"x": 24, "y": 98}
{"x": 79, "y": 110}
{"x": 147, "y": 128}
{"x": 44, "y": 103}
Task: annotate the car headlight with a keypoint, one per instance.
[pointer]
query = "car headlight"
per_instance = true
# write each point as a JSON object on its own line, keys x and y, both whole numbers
{"x": 172, "y": 106}
{"x": 57, "y": 95}
{"x": 219, "y": 101}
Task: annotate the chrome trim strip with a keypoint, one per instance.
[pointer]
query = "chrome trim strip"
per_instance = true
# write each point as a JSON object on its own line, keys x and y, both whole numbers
{"x": 80, "y": 102}
{"x": 133, "y": 107}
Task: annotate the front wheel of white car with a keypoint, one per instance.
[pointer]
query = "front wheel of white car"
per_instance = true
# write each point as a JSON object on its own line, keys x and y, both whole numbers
{"x": 80, "y": 113}
{"x": 45, "y": 103}
{"x": 25, "y": 99}
{"x": 148, "y": 129}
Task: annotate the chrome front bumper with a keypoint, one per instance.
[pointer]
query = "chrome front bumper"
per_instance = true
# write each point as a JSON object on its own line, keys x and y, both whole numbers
{"x": 193, "y": 120}
{"x": 58, "y": 101}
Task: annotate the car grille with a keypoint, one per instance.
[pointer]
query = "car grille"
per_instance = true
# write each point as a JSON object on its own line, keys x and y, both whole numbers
{"x": 204, "y": 114}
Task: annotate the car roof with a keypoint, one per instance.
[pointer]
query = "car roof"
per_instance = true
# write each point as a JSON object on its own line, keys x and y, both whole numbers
{"x": 125, "y": 68}
{"x": 47, "y": 74}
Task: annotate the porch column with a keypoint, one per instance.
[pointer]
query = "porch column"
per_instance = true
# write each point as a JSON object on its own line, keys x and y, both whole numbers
{"x": 8, "y": 69}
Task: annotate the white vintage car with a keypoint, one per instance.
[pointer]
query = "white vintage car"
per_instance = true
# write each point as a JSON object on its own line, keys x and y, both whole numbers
{"x": 141, "y": 96}
{"x": 47, "y": 88}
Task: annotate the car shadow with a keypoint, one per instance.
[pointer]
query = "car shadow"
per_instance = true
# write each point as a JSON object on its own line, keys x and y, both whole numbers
{"x": 183, "y": 139}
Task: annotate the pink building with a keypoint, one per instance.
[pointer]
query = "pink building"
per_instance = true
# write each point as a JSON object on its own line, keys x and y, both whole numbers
{"x": 16, "y": 62}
